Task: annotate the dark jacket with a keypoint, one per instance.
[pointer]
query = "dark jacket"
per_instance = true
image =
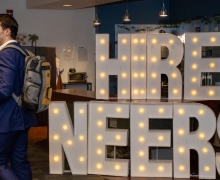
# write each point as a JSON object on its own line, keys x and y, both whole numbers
{"x": 12, "y": 116}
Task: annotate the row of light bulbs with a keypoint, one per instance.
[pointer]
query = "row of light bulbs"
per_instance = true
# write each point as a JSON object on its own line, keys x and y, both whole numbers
{"x": 141, "y": 110}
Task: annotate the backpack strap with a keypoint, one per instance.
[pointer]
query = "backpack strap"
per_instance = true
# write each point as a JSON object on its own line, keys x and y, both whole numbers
{"x": 16, "y": 98}
{"x": 15, "y": 47}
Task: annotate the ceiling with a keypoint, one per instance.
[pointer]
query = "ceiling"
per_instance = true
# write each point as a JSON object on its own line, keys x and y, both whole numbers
{"x": 58, "y": 4}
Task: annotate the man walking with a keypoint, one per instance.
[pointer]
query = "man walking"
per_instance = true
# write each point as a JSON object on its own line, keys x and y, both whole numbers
{"x": 14, "y": 120}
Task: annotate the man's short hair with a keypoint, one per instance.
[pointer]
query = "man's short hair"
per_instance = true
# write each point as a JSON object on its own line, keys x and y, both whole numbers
{"x": 7, "y": 21}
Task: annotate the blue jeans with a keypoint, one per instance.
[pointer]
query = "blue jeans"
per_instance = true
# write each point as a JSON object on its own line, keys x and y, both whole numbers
{"x": 13, "y": 148}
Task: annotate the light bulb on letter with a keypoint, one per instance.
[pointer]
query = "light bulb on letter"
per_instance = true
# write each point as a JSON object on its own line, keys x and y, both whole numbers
{"x": 102, "y": 91}
{"x": 124, "y": 58}
{"x": 102, "y": 41}
{"x": 195, "y": 40}
{"x": 124, "y": 41}
{"x": 154, "y": 41}
{"x": 212, "y": 39}
{"x": 55, "y": 111}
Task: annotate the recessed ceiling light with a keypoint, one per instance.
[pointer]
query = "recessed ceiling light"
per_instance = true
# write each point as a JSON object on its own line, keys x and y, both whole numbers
{"x": 67, "y": 5}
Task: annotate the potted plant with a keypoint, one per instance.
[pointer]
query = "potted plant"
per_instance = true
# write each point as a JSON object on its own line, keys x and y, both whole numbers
{"x": 33, "y": 38}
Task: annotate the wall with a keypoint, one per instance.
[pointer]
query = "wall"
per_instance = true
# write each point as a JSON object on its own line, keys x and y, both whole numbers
{"x": 141, "y": 12}
{"x": 188, "y": 9}
{"x": 59, "y": 28}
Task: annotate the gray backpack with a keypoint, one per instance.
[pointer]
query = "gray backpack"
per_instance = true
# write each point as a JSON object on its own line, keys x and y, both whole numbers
{"x": 36, "y": 91}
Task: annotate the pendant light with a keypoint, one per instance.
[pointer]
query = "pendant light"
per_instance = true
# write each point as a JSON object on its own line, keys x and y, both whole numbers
{"x": 96, "y": 22}
{"x": 163, "y": 12}
{"x": 126, "y": 17}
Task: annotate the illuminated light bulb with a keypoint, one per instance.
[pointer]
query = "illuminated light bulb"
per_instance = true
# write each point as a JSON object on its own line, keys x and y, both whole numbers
{"x": 142, "y": 58}
{"x": 81, "y": 111}
{"x": 135, "y": 75}
{"x": 102, "y": 41}
{"x": 135, "y": 58}
{"x": 201, "y": 112}
{"x": 118, "y": 137}
{"x": 117, "y": 167}
{"x": 99, "y": 138}
{"x": 194, "y": 79}
{"x": 160, "y": 138}
{"x": 124, "y": 92}
{"x": 174, "y": 75}
{"x": 211, "y": 92}
{"x": 102, "y": 91}
{"x": 142, "y": 74}
{"x": 201, "y": 135}
{"x": 206, "y": 168}
{"x": 81, "y": 159}
{"x": 124, "y": 58}
{"x": 154, "y": 59}
{"x": 160, "y": 168}
{"x": 195, "y": 40}
{"x": 142, "y": 91}
{"x": 194, "y": 53}
{"x": 99, "y": 166}
{"x": 65, "y": 127}
{"x": 161, "y": 110}
{"x": 141, "y": 125}
{"x": 56, "y": 158}
{"x": 212, "y": 39}
{"x": 124, "y": 41}
{"x": 154, "y": 41}
{"x": 153, "y": 91}
{"x": 99, "y": 151}
{"x": 194, "y": 66}
{"x": 102, "y": 75}
{"x": 118, "y": 109}
{"x": 142, "y": 41}
{"x": 175, "y": 91}
{"x": 99, "y": 123}
{"x": 81, "y": 138}
{"x": 181, "y": 150}
{"x": 55, "y": 111}
{"x": 102, "y": 58}
{"x": 171, "y": 62}
{"x": 69, "y": 142}
{"x": 212, "y": 65}
{"x": 141, "y": 139}
{"x": 141, "y": 153}
{"x": 124, "y": 75}
{"x": 181, "y": 111}
{"x": 181, "y": 168}
{"x": 181, "y": 132}
{"x": 135, "y": 91}
{"x": 141, "y": 110}
{"x": 171, "y": 41}
{"x": 154, "y": 75}
{"x": 100, "y": 109}
{"x": 194, "y": 92}
{"x": 141, "y": 168}
{"x": 205, "y": 150}
{"x": 55, "y": 137}
{"x": 135, "y": 41}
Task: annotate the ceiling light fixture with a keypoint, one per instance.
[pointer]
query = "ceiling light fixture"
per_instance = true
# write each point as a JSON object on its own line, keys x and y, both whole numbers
{"x": 163, "y": 12}
{"x": 96, "y": 22}
{"x": 126, "y": 17}
{"x": 67, "y": 5}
